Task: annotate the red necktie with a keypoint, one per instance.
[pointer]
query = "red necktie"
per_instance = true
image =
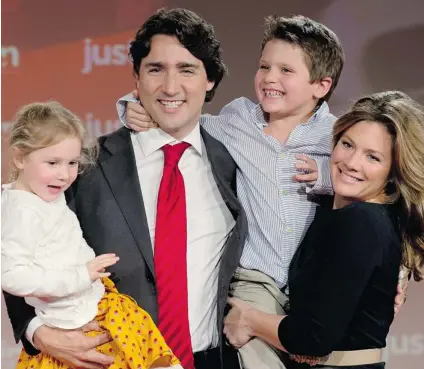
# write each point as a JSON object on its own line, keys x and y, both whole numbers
{"x": 171, "y": 257}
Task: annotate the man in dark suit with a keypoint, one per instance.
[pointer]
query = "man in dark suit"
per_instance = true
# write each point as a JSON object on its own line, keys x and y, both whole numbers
{"x": 164, "y": 201}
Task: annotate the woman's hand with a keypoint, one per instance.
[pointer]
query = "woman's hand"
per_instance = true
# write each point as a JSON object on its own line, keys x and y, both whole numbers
{"x": 236, "y": 323}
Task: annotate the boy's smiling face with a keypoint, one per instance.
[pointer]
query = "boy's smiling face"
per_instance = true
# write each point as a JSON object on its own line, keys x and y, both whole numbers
{"x": 282, "y": 82}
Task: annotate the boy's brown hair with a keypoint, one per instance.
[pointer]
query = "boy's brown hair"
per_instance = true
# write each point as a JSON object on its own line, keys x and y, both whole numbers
{"x": 322, "y": 49}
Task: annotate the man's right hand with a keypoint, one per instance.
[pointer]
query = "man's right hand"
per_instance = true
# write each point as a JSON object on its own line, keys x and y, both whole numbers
{"x": 73, "y": 347}
{"x": 137, "y": 117}
{"x": 402, "y": 288}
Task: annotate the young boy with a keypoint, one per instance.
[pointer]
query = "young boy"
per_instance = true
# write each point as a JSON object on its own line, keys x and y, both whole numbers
{"x": 282, "y": 147}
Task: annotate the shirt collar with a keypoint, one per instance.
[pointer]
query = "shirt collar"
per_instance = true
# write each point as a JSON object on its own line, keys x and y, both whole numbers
{"x": 30, "y": 197}
{"x": 260, "y": 116}
{"x": 154, "y": 139}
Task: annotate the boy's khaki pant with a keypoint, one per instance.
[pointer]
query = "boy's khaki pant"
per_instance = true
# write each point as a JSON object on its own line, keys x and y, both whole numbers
{"x": 261, "y": 292}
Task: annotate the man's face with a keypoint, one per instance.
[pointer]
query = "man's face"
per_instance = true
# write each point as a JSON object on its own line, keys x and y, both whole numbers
{"x": 172, "y": 86}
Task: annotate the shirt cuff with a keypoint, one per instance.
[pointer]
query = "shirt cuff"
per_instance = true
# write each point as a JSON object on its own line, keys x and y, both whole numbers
{"x": 323, "y": 185}
{"x": 84, "y": 281}
{"x": 33, "y": 325}
{"x": 121, "y": 107}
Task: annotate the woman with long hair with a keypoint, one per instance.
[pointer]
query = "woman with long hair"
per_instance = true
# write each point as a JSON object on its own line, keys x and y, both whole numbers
{"x": 343, "y": 278}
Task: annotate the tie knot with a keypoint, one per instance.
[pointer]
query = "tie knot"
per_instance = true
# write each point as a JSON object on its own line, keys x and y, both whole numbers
{"x": 173, "y": 153}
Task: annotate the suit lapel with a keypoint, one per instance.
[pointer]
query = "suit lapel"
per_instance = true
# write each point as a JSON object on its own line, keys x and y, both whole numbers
{"x": 220, "y": 160}
{"x": 120, "y": 172}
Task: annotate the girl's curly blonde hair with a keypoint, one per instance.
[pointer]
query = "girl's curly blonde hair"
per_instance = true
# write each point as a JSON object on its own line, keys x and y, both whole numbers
{"x": 39, "y": 125}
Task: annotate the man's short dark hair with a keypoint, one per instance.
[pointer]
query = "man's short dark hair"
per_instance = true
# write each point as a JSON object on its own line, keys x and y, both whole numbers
{"x": 193, "y": 32}
{"x": 321, "y": 47}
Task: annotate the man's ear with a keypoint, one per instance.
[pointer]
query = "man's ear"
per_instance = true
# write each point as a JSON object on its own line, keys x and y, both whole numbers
{"x": 210, "y": 85}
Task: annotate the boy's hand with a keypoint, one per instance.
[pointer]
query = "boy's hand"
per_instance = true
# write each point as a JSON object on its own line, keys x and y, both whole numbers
{"x": 308, "y": 169}
{"x": 97, "y": 266}
{"x": 137, "y": 118}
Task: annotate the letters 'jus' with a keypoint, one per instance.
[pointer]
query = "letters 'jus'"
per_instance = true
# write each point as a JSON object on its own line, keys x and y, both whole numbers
{"x": 103, "y": 55}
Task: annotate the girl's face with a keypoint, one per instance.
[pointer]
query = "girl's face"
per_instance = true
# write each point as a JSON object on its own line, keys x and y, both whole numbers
{"x": 49, "y": 171}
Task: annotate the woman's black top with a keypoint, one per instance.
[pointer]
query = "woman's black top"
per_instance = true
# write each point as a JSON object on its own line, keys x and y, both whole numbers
{"x": 342, "y": 281}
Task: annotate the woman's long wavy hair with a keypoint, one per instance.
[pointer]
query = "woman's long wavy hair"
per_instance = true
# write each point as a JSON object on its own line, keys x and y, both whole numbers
{"x": 404, "y": 120}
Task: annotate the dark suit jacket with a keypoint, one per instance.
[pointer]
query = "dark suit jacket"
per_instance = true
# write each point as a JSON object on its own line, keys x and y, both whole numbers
{"x": 109, "y": 205}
